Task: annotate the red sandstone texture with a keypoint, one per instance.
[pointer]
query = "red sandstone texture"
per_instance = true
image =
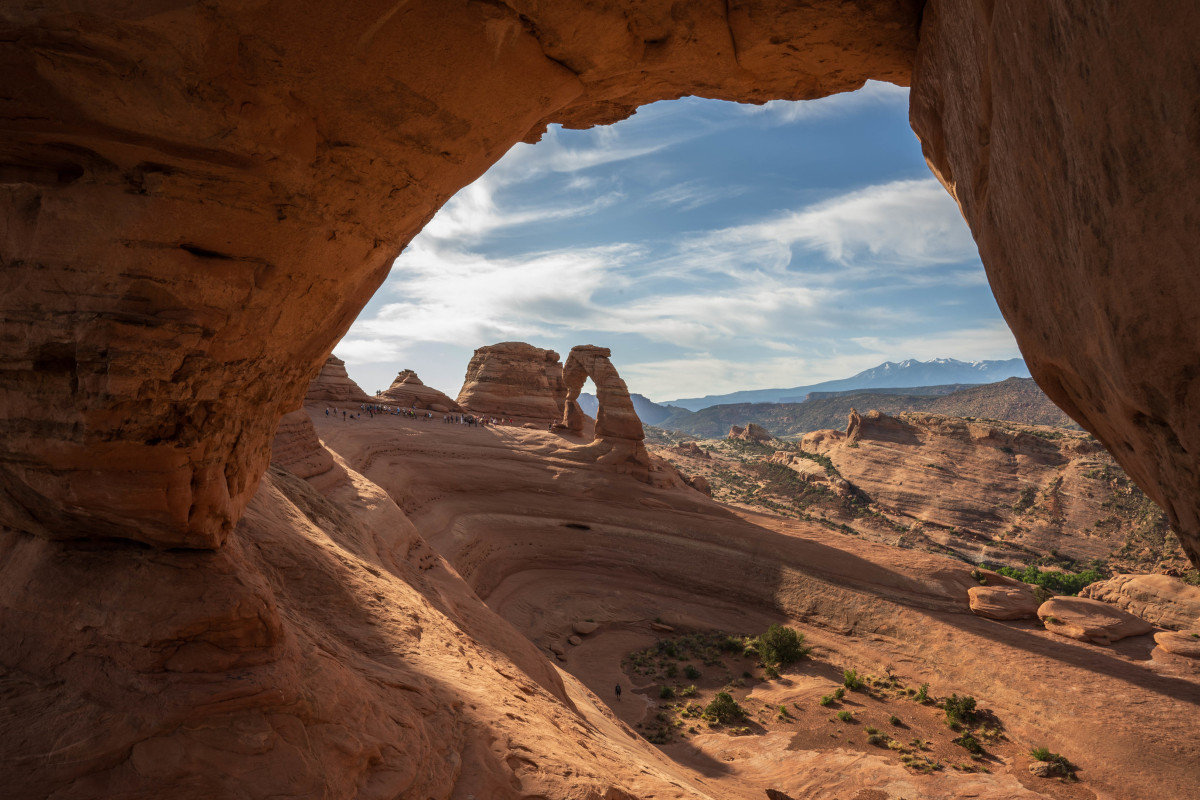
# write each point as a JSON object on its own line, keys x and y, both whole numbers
{"x": 408, "y": 391}
{"x": 198, "y": 198}
{"x": 514, "y": 379}
{"x": 334, "y": 385}
{"x": 618, "y": 432}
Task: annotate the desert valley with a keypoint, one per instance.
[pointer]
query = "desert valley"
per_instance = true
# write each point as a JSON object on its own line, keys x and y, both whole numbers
{"x": 227, "y": 571}
{"x": 622, "y": 571}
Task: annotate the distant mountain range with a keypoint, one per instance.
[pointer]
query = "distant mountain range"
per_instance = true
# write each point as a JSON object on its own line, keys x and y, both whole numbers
{"x": 1014, "y": 399}
{"x": 649, "y": 412}
{"x": 890, "y": 375}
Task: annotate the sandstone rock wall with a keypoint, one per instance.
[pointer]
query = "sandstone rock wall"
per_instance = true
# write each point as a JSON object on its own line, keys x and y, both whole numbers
{"x": 408, "y": 391}
{"x": 1056, "y": 127}
{"x": 514, "y": 379}
{"x": 333, "y": 385}
{"x": 1159, "y": 599}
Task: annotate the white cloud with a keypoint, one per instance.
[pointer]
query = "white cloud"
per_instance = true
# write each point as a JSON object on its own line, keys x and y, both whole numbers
{"x": 991, "y": 341}
{"x": 907, "y": 224}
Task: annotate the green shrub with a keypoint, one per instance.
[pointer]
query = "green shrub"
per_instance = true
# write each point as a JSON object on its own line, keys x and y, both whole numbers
{"x": 894, "y": 720}
{"x": 780, "y": 645}
{"x": 839, "y": 693}
{"x": 871, "y": 729}
{"x": 724, "y": 708}
{"x": 1062, "y": 765}
{"x": 666, "y": 692}
{"x": 970, "y": 743}
{"x": 845, "y": 716}
{"x": 922, "y": 695}
{"x": 877, "y": 740}
{"x": 959, "y": 710}
{"x": 691, "y": 672}
{"x": 827, "y": 700}
{"x": 672, "y": 671}
{"x": 851, "y": 680}
{"x": 731, "y": 644}
{"x": 771, "y": 672}
{"x": 687, "y": 691}
{"x": 1060, "y": 583}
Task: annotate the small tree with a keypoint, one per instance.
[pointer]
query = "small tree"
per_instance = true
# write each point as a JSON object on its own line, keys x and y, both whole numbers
{"x": 959, "y": 709}
{"x": 724, "y": 708}
{"x": 780, "y": 645}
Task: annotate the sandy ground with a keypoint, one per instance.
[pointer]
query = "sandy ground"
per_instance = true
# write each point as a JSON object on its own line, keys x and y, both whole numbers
{"x": 547, "y": 540}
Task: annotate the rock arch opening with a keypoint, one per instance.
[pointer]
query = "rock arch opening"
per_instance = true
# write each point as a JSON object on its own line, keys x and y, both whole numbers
{"x": 1053, "y": 133}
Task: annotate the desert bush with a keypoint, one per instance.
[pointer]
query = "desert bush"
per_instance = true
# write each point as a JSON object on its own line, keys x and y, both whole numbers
{"x": 969, "y": 743}
{"x": 687, "y": 691}
{"x": 771, "y": 672}
{"x": 691, "y": 672}
{"x": 871, "y": 729}
{"x": 724, "y": 708}
{"x": 827, "y": 700}
{"x": 845, "y": 716}
{"x": 959, "y": 710}
{"x": 922, "y": 695}
{"x": 672, "y": 671}
{"x": 839, "y": 693}
{"x": 877, "y": 740}
{"x": 780, "y": 645}
{"x": 894, "y": 720}
{"x": 851, "y": 680}
{"x": 1065, "y": 767}
{"x": 666, "y": 692}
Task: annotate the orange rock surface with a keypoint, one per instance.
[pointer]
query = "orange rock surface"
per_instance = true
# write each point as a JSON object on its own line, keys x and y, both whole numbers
{"x": 334, "y": 385}
{"x": 408, "y": 391}
{"x": 514, "y": 379}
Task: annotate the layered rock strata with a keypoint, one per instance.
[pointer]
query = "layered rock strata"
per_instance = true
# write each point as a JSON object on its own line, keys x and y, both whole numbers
{"x": 1090, "y": 620}
{"x": 619, "y": 435}
{"x": 1159, "y": 599}
{"x": 514, "y": 379}
{"x": 334, "y": 385}
{"x": 752, "y": 432}
{"x": 408, "y": 390}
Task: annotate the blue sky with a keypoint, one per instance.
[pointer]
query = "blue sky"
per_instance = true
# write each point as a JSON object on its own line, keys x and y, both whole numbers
{"x": 713, "y": 246}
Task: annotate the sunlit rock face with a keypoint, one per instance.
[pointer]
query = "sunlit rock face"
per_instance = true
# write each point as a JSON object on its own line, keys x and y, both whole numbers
{"x": 514, "y": 379}
{"x": 1068, "y": 137}
{"x": 408, "y": 390}
{"x": 198, "y": 198}
{"x": 619, "y": 437}
{"x": 334, "y": 385}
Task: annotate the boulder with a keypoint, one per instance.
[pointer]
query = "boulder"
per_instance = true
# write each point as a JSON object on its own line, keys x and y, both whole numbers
{"x": 574, "y": 640}
{"x": 584, "y": 627}
{"x": 1159, "y": 599}
{"x": 514, "y": 379}
{"x": 1090, "y": 620}
{"x": 1003, "y": 602}
{"x": 1179, "y": 643}
{"x": 700, "y": 484}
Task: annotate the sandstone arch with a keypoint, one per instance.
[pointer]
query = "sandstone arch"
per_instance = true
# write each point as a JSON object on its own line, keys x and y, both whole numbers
{"x": 198, "y": 198}
{"x": 619, "y": 435}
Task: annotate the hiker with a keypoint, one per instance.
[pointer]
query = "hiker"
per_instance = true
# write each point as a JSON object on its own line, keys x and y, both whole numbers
{"x": 618, "y": 691}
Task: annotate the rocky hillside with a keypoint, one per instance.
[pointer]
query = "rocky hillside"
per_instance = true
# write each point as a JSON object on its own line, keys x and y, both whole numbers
{"x": 1001, "y": 493}
{"x": 1016, "y": 399}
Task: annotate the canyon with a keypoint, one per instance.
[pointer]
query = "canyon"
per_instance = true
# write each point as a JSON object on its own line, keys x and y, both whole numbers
{"x": 198, "y": 198}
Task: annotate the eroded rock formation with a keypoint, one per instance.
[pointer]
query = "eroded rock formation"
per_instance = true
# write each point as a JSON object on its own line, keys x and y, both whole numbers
{"x": 619, "y": 434}
{"x": 1090, "y": 620}
{"x": 196, "y": 199}
{"x": 1055, "y": 134}
{"x": 1159, "y": 599}
{"x": 334, "y": 385}
{"x": 514, "y": 379}
{"x": 409, "y": 391}
{"x": 752, "y": 432}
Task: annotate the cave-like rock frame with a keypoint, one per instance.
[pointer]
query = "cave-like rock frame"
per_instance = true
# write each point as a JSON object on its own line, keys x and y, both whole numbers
{"x": 199, "y": 197}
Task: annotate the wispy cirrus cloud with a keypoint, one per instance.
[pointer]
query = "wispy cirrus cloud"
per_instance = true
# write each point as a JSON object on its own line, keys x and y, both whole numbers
{"x": 873, "y": 93}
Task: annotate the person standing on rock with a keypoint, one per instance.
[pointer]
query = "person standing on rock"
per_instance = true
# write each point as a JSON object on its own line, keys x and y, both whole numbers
{"x": 618, "y": 690}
